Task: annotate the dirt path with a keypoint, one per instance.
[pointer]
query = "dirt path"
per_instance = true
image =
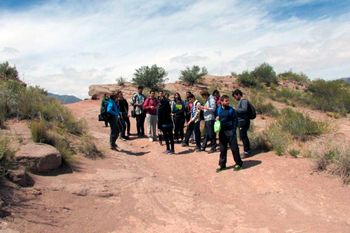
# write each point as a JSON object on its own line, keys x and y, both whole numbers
{"x": 143, "y": 190}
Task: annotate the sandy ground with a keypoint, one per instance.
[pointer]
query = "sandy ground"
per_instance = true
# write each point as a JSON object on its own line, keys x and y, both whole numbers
{"x": 142, "y": 190}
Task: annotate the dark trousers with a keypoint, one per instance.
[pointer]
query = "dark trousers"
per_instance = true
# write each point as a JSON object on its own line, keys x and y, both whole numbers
{"x": 209, "y": 135}
{"x": 114, "y": 130}
{"x": 106, "y": 123}
{"x": 126, "y": 126}
{"x": 169, "y": 138}
{"x": 140, "y": 124}
{"x": 179, "y": 127}
{"x": 229, "y": 137}
{"x": 243, "y": 134}
{"x": 193, "y": 127}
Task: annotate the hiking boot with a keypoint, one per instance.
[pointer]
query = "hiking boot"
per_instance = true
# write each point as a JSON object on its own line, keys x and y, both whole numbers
{"x": 114, "y": 148}
{"x": 150, "y": 139}
{"x": 184, "y": 144}
{"x": 220, "y": 168}
{"x": 170, "y": 152}
{"x": 202, "y": 149}
{"x": 237, "y": 167}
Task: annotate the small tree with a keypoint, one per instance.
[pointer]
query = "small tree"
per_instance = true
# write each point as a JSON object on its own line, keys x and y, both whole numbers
{"x": 8, "y": 72}
{"x": 121, "y": 81}
{"x": 193, "y": 75}
{"x": 265, "y": 74}
{"x": 151, "y": 77}
{"x": 247, "y": 79}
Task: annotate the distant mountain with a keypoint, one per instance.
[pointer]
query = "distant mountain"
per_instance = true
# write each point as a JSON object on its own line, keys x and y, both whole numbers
{"x": 346, "y": 80}
{"x": 65, "y": 99}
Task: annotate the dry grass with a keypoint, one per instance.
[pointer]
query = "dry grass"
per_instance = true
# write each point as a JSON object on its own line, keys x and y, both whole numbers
{"x": 6, "y": 155}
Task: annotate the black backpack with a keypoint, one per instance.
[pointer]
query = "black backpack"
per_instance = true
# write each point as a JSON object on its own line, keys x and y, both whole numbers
{"x": 251, "y": 111}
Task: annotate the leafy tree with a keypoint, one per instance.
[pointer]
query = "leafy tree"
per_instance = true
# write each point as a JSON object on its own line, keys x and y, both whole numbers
{"x": 193, "y": 75}
{"x": 8, "y": 72}
{"x": 265, "y": 74}
{"x": 151, "y": 77}
{"x": 247, "y": 79}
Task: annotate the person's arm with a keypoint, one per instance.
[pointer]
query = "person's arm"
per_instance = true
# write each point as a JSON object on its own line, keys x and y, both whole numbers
{"x": 145, "y": 104}
{"x": 110, "y": 109}
{"x": 173, "y": 107}
{"x": 126, "y": 106}
{"x": 235, "y": 119}
{"x": 242, "y": 106}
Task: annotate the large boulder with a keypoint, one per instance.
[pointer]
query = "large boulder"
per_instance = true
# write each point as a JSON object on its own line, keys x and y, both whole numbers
{"x": 20, "y": 177}
{"x": 39, "y": 157}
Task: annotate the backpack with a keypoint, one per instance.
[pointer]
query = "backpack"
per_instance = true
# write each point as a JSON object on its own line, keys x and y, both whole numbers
{"x": 104, "y": 116}
{"x": 251, "y": 111}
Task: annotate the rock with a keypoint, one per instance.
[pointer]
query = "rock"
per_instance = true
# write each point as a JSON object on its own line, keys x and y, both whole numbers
{"x": 20, "y": 177}
{"x": 39, "y": 157}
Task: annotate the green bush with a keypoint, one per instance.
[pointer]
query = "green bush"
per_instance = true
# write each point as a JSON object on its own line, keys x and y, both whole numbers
{"x": 300, "y": 126}
{"x": 193, "y": 75}
{"x": 8, "y": 72}
{"x": 88, "y": 148}
{"x": 265, "y": 74}
{"x": 6, "y": 156}
{"x": 259, "y": 142}
{"x": 247, "y": 79}
{"x": 331, "y": 96}
{"x": 151, "y": 77}
{"x": 299, "y": 78}
{"x": 278, "y": 139}
{"x": 294, "y": 152}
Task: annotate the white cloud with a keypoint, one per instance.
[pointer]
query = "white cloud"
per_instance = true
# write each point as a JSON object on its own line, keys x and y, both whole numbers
{"x": 65, "y": 48}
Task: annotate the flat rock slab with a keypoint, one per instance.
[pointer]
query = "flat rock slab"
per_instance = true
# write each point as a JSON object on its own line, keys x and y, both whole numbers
{"x": 39, "y": 157}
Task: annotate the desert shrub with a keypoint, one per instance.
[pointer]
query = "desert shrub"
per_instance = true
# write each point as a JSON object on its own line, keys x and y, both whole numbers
{"x": 6, "y": 156}
{"x": 8, "y": 71}
{"x": 294, "y": 152}
{"x": 262, "y": 107}
{"x": 193, "y": 75}
{"x": 247, "y": 79}
{"x": 334, "y": 158}
{"x": 299, "y": 78}
{"x": 331, "y": 96}
{"x": 277, "y": 138}
{"x": 88, "y": 148}
{"x": 265, "y": 74}
{"x": 44, "y": 132}
{"x": 151, "y": 77}
{"x": 300, "y": 126}
{"x": 259, "y": 142}
{"x": 121, "y": 81}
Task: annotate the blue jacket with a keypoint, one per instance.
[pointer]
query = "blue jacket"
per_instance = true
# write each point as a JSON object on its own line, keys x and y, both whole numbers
{"x": 228, "y": 118}
{"x": 112, "y": 108}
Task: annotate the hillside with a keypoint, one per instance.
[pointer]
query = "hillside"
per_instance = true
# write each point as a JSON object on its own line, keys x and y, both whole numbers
{"x": 65, "y": 99}
{"x": 140, "y": 189}
{"x": 346, "y": 80}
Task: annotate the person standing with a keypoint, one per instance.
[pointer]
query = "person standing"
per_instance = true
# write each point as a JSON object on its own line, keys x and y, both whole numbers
{"x": 228, "y": 119}
{"x": 113, "y": 116}
{"x": 165, "y": 124}
{"x": 217, "y": 97}
{"x": 243, "y": 119}
{"x": 178, "y": 110}
{"x": 124, "y": 110}
{"x": 193, "y": 125}
{"x": 137, "y": 102}
{"x": 150, "y": 107}
{"x": 209, "y": 109}
{"x": 103, "y": 112}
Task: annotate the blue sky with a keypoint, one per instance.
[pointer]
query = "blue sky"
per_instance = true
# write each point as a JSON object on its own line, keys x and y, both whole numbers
{"x": 64, "y": 46}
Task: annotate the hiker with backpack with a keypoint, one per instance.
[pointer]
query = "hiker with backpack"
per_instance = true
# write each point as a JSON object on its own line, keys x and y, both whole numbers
{"x": 209, "y": 110}
{"x": 193, "y": 125}
{"x": 103, "y": 111}
{"x": 165, "y": 124}
{"x": 245, "y": 112}
{"x": 113, "y": 113}
{"x": 150, "y": 107}
{"x": 125, "y": 120}
{"x": 137, "y": 102}
{"x": 227, "y": 134}
{"x": 178, "y": 110}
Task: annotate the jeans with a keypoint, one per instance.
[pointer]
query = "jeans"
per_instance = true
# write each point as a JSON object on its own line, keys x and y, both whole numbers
{"x": 152, "y": 125}
{"x": 209, "y": 135}
{"x": 243, "y": 134}
{"x": 229, "y": 137}
{"x": 114, "y": 131}
{"x": 140, "y": 122}
{"x": 193, "y": 127}
{"x": 179, "y": 127}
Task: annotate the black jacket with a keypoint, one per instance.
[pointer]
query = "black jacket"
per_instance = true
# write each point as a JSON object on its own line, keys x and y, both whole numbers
{"x": 164, "y": 115}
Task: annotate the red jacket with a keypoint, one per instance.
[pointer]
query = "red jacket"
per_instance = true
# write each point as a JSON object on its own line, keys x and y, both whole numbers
{"x": 147, "y": 106}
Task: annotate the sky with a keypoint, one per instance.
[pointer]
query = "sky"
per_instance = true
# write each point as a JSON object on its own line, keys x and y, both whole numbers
{"x": 64, "y": 46}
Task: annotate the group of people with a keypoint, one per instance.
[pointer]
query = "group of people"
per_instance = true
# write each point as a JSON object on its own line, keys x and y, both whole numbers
{"x": 167, "y": 120}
